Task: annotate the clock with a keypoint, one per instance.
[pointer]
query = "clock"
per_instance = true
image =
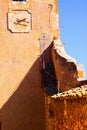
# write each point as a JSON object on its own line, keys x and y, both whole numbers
{"x": 19, "y": 21}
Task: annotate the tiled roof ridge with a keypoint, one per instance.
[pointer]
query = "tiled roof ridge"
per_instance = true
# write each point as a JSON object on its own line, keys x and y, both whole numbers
{"x": 72, "y": 93}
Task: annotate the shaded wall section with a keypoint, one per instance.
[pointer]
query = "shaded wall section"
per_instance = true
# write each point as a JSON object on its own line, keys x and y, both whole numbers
{"x": 21, "y": 96}
{"x": 25, "y": 108}
{"x": 65, "y": 67}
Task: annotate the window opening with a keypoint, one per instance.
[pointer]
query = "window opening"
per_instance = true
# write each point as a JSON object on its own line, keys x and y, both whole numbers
{"x": 20, "y": 0}
{"x": 0, "y": 125}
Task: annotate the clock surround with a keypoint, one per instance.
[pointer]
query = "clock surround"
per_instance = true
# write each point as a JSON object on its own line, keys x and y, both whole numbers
{"x": 19, "y": 21}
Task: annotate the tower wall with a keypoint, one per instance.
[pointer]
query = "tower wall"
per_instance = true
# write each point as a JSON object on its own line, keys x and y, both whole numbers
{"x": 21, "y": 97}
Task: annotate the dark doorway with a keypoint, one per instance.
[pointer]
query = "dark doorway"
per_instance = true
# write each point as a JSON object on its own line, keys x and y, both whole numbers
{"x": 49, "y": 82}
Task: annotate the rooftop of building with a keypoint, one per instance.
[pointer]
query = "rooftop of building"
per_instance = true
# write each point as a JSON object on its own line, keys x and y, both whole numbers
{"x": 78, "y": 92}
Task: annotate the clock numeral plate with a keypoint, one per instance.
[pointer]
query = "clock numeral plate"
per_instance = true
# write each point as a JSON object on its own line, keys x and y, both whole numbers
{"x": 19, "y": 21}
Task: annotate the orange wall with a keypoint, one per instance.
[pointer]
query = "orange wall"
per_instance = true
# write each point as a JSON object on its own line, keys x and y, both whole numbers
{"x": 21, "y": 96}
{"x": 67, "y": 113}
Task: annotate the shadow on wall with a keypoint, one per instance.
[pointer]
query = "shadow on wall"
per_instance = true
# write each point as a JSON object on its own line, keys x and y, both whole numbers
{"x": 48, "y": 72}
{"x": 25, "y": 108}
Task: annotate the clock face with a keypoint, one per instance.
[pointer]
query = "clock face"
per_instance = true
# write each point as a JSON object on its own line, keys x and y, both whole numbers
{"x": 19, "y": 21}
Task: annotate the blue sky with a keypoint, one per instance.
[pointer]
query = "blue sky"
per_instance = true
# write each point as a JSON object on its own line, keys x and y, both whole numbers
{"x": 73, "y": 28}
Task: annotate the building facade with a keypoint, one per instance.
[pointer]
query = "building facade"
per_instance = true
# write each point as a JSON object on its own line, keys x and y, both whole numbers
{"x": 22, "y": 25}
{"x": 27, "y": 28}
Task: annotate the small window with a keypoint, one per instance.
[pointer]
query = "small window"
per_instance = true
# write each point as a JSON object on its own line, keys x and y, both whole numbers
{"x": 0, "y": 125}
{"x": 20, "y": 0}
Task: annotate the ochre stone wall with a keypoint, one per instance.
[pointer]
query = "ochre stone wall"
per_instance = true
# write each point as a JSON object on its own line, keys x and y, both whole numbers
{"x": 68, "y": 111}
{"x": 22, "y": 103}
{"x": 21, "y": 97}
{"x": 65, "y": 67}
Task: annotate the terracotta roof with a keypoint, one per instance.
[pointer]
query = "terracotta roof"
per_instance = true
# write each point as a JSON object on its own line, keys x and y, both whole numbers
{"x": 72, "y": 93}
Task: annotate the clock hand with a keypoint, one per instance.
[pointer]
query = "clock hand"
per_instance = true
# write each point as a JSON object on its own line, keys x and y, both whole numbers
{"x": 19, "y": 21}
{"x": 22, "y": 20}
{"x": 22, "y": 24}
